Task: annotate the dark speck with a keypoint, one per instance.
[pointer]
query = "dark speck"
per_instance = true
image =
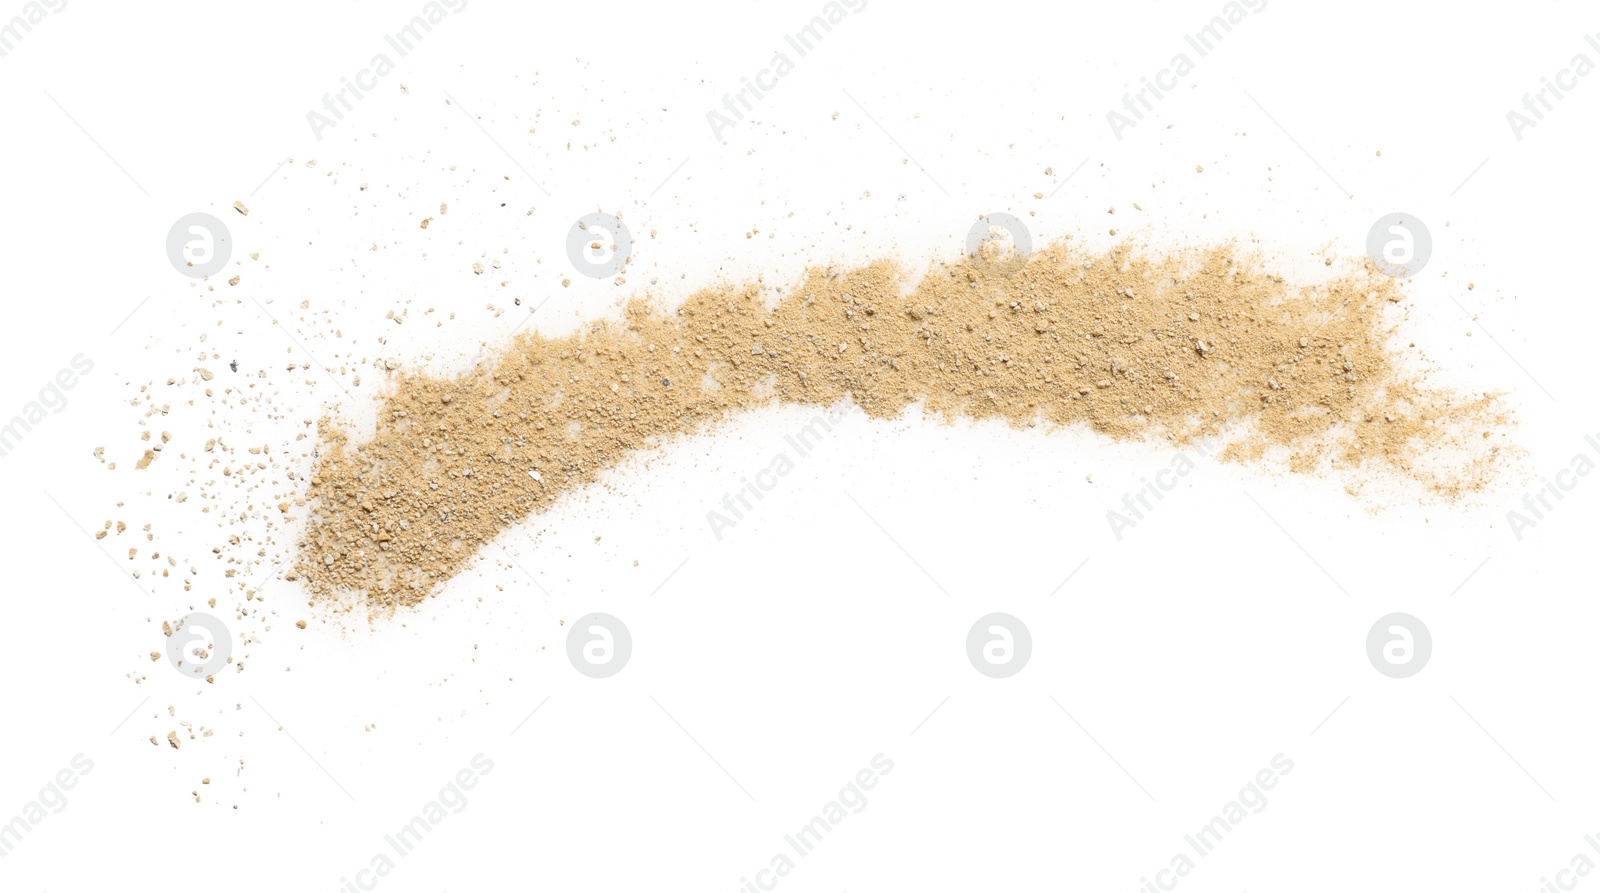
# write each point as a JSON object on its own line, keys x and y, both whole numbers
{"x": 234, "y": 365}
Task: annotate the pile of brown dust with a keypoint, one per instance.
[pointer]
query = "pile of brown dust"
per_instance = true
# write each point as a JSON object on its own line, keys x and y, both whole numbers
{"x": 1173, "y": 347}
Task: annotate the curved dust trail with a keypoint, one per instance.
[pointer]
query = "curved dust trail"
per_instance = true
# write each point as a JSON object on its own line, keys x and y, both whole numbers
{"x": 1135, "y": 347}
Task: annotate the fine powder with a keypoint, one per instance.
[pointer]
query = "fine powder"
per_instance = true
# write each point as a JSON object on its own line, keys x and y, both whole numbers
{"x": 1189, "y": 345}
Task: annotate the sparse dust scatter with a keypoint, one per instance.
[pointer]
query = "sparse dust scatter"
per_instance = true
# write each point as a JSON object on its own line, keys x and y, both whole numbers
{"x": 1190, "y": 344}
{"x": 315, "y": 485}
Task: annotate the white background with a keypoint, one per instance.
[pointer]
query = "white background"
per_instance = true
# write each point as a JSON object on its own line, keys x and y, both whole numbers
{"x": 774, "y": 664}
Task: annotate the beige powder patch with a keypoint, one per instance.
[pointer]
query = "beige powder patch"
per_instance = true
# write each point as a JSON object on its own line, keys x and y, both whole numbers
{"x": 1175, "y": 347}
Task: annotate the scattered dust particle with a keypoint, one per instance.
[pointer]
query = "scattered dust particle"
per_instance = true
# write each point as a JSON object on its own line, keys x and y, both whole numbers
{"x": 426, "y": 221}
{"x": 239, "y": 206}
{"x": 301, "y": 624}
{"x": 172, "y": 739}
{"x": 234, "y": 280}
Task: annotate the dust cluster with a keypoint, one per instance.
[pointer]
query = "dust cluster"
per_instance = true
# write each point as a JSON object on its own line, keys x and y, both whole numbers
{"x": 1135, "y": 346}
